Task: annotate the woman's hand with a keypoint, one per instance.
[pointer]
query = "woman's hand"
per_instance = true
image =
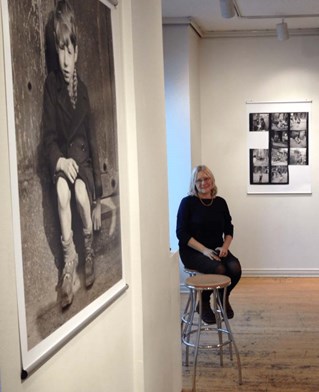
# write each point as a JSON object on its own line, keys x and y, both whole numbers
{"x": 210, "y": 254}
{"x": 223, "y": 251}
{"x": 202, "y": 249}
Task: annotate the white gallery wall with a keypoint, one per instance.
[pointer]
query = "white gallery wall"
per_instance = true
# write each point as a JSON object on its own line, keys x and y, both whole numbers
{"x": 181, "y": 65}
{"x": 182, "y": 98}
{"x": 157, "y": 270}
{"x": 126, "y": 348}
{"x": 274, "y": 234}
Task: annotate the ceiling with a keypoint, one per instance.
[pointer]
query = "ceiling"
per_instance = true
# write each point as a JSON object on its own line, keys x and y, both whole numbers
{"x": 253, "y": 17}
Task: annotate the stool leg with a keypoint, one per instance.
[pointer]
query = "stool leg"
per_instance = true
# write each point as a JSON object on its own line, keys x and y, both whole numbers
{"x": 223, "y": 301}
{"x": 185, "y": 314}
{"x": 218, "y": 324}
{"x": 187, "y": 318}
{"x": 232, "y": 340}
{"x": 185, "y": 322}
{"x": 199, "y": 293}
{"x": 189, "y": 324}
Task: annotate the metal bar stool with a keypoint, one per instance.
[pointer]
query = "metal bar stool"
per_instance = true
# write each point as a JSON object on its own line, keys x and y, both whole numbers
{"x": 197, "y": 284}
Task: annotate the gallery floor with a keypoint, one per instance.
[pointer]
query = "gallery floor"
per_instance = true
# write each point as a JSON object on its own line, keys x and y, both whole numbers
{"x": 276, "y": 327}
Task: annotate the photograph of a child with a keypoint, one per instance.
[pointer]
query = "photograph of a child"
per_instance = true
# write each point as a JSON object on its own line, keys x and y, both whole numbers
{"x": 71, "y": 147}
{"x": 298, "y": 121}
{"x": 279, "y": 121}
{"x": 279, "y": 174}
{"x": 279, "y": 156}
{"x": 298, "y": 156}
{"x": 260, "y": 156}
{"x": 279, "y": 139}
{"x": 260, "y": 175}
{"x": 258, "y": 122}
{"x": 67, "y": 158}
{"x": 298, "y": 139}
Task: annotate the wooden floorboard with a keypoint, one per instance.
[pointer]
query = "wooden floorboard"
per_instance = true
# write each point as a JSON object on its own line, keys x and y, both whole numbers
{"x": 276, "y": 327}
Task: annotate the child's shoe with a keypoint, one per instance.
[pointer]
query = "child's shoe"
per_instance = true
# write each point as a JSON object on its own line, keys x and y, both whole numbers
{"x": 69, "y": 272}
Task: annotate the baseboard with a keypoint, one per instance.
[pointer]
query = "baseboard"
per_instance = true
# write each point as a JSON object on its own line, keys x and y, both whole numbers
{"x": 282, "y": 272}
{"x": 273, "y": 273}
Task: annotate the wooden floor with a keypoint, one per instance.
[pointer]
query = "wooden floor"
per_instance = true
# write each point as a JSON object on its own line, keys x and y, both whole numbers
{"x": 276, "y": 328}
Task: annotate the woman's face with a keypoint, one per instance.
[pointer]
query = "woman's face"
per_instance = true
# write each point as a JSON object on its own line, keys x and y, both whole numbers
{"x": 204, "y": 184}
{"x": 68, "y": 55}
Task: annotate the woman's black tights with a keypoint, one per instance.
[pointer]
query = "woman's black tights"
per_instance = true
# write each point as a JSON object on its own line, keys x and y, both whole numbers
{"x": 229, "y": 266}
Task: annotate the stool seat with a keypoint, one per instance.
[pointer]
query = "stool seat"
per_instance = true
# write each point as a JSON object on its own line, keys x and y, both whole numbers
{"x": 208, "y": 281}
{"x": 194, "y": 326}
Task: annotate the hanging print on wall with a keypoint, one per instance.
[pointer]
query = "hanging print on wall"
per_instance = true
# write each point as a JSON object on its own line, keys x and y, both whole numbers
{"x": 62, "y": 119}
{"x": 288, "y": 145}
{"x": 278, "y": 147}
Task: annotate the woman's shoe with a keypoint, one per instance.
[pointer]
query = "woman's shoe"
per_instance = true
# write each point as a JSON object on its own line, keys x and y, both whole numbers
{"x": 229, "y": 309}
{"x": 207, "y": 314}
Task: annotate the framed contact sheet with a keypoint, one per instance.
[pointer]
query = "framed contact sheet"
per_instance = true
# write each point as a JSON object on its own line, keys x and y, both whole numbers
{"x": 278, "y": 147}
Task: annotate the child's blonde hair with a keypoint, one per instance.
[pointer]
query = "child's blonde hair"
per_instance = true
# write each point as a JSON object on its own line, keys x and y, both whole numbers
{"x": 64, "y": 24}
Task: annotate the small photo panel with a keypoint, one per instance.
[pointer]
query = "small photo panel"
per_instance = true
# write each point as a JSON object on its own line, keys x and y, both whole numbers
{"x": 298, "y": 139}
{"x": 299, "y": 121}
{"x": 259, "y": 122}
{"x": 279, "y": 139}
{"x": 279, "y": 121}
{"x": 298, "y": 156}
{"x": 279, "y": 156}
{"x": 260, "y": 175}
{"x": 279, "y": 175}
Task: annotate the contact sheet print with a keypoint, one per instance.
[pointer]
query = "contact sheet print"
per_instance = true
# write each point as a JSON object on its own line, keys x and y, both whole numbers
{"x": 278, "y": 146}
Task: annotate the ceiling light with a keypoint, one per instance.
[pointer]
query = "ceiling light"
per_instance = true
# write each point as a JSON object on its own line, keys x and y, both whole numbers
{"x": 282, "y": 31}
{"x": 227, "y": 8}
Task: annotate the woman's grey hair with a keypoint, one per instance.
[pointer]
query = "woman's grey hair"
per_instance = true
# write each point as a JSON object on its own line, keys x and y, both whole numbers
{"x": 192, "y": 187}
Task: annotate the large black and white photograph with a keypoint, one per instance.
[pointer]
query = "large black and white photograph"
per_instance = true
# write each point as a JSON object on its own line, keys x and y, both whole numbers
{"x": 64, "y": 164}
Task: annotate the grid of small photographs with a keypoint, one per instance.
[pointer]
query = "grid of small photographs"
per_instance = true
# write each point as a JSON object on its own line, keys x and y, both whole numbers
{"x": 287, "y": 145}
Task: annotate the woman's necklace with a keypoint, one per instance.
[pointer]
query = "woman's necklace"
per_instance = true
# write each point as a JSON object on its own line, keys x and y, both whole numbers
{"x": 206, "y": 204}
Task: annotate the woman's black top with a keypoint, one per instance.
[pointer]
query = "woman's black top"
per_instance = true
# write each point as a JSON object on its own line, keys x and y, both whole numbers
{"x": 206, "y": 224}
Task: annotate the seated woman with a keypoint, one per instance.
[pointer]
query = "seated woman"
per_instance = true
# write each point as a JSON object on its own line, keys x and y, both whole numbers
{"x": 205, "y": 231}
